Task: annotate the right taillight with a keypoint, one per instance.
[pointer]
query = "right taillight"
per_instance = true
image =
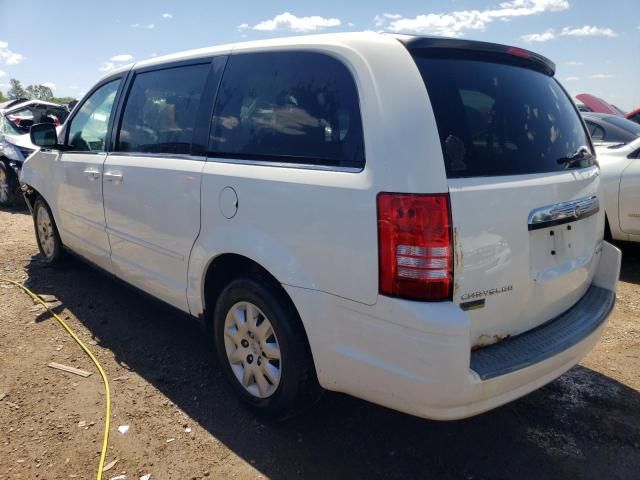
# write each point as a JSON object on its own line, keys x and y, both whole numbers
{"x": 415, "y": 246}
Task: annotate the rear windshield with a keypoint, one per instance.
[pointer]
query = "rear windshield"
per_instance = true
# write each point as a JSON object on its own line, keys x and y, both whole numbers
{"x": 497, "y": 119}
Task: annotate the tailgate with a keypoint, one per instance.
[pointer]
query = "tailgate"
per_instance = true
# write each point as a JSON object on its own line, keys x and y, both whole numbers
{"x": 523, "y": 185}
{"x": 520, "y": 260}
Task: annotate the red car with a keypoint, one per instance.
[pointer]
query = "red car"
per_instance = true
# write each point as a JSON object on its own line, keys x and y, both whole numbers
{"x": 597, "y": 105}
{"x": 634, "y": 115}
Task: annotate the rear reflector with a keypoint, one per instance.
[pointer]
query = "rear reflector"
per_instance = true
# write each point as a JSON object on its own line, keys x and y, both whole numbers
{"x": 415, "y": 246}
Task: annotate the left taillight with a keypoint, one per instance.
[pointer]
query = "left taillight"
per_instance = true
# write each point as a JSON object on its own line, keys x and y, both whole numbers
{"x": 415, "y": 247}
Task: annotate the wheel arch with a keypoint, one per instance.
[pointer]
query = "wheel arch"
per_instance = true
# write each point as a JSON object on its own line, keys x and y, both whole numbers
{"x": 226, "y": 267}
{"x": 31, "y": 195}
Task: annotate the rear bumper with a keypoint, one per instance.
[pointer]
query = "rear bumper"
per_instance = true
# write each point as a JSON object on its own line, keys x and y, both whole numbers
{"x": 416, "y": 357}
{"x": 547, "y": 340}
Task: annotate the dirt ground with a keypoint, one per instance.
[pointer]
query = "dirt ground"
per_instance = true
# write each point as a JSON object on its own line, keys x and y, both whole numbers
{"x": 184, "y": 422}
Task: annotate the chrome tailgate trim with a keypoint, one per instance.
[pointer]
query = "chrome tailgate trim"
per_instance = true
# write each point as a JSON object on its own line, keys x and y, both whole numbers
{"x": 564, "y": 212}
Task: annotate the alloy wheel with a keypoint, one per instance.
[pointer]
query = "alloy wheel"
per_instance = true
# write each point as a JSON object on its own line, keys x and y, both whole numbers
{"x": 46, "y": 233}
{"x": 252, "y": 349}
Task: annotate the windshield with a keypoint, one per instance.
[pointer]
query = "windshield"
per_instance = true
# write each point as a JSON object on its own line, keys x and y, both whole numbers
{"x": 8, "y": 127}
{"x": 497, "y": 119}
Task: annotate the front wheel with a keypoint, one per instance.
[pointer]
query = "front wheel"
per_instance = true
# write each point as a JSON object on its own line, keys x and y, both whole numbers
{"x": 263, "y": 350}
{"x": 47, "y": 236}
{"x": 8, "y": 185}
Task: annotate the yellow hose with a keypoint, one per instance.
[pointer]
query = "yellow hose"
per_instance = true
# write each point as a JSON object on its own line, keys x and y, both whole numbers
{"x": 107, "y": 421}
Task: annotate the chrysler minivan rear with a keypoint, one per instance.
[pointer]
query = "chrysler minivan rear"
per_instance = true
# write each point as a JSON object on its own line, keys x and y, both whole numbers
{"x": 523, "y": 185}
{"x": 499, "y": 284}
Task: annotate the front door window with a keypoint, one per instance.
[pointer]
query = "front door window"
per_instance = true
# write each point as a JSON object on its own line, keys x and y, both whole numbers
{"x": 88, "y": 129}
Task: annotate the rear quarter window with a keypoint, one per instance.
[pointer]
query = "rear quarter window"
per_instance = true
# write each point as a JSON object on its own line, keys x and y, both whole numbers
{"x": 498, "y": 119}
{"x": 292, "y": 107}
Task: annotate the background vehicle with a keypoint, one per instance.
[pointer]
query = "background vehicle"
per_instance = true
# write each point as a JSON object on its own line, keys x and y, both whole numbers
{"x": 617, "y": 144}
{"x": 610, "y": 130}
{"x": 620, "y": 171}
{"x": 15, "y": 145}
{"x": 13, "y": 101}
{"x": 598, "y": 105}
{"x": 435, "y": 248}
{"x": 582, "y": 107}
{"x": 634, "y": 115}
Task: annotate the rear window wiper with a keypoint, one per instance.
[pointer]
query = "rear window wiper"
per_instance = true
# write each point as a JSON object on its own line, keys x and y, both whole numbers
{"x": 583, "y": 153}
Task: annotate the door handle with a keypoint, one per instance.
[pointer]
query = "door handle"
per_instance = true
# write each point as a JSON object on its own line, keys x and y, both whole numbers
{"x": 113, "y": 176}
{"x": 92, "y": 173}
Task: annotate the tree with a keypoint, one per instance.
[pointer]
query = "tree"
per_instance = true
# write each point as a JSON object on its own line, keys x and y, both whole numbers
{"x": 2, "y": 97}
{"x": 63, "y": 100}
{"x": 15, "y": 90}
{"x": 39, "y": 92}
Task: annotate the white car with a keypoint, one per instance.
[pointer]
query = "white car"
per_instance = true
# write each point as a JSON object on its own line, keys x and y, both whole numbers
{"x": 16, "y": 117}
{"x": 620, "y": 167}
{"x": 413, "y": 221}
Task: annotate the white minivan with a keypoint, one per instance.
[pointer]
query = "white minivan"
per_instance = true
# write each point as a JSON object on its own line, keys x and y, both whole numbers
{"x": 413, "y": 221}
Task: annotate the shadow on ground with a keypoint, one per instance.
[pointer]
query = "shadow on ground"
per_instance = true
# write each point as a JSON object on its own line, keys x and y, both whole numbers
{"x": 17, "y": 210}
{"x": 630, "y": 271}
{"x": 583, "y": 425}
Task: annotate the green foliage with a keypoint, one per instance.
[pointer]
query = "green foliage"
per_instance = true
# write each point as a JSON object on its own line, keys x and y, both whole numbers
{"x": 39, "y": 92}
{"x": 32, "y": 92}
{"x": 15, "y": 90}
{"x": 62, "y": 100}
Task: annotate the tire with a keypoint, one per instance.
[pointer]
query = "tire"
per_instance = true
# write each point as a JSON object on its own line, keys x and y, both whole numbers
{"x": 607, "y": 230}
{"x": 8, "y": 185}
{"x": 283, "y": 359}
{"x": 47, "y": 236}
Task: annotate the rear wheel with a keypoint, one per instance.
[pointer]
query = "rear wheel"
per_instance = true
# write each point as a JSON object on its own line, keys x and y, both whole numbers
{"x": 262, "y": 349}
{"x": 8, "y": 185}
{"x": 47, "y": 236}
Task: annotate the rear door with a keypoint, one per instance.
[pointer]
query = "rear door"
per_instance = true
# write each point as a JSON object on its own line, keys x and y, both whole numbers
{"x": 527, "y": 223}
{"x": 629, "y": 211}
{"x": 152, "y": 179}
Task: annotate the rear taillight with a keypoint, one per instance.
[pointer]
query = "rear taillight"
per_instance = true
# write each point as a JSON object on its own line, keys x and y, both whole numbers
{"x": 415, "y": 246}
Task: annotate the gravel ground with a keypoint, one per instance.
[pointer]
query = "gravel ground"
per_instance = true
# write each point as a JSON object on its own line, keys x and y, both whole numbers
{"x": 184, "y": 422}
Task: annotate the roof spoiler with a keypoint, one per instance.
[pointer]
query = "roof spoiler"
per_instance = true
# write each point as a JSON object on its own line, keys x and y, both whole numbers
{"x": 456, "y": 48}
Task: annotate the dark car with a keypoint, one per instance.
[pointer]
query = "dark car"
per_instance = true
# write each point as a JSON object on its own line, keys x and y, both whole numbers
{"x": 634, "y": 115}
{"x": 610, "y": 130}
{"x": 16, "y": 118}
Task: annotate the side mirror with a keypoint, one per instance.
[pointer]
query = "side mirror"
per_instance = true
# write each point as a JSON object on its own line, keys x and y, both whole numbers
{"x": 44, "y": 135}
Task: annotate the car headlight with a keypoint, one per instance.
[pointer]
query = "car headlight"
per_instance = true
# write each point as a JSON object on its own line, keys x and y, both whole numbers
{"x": 11, "y": 151}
